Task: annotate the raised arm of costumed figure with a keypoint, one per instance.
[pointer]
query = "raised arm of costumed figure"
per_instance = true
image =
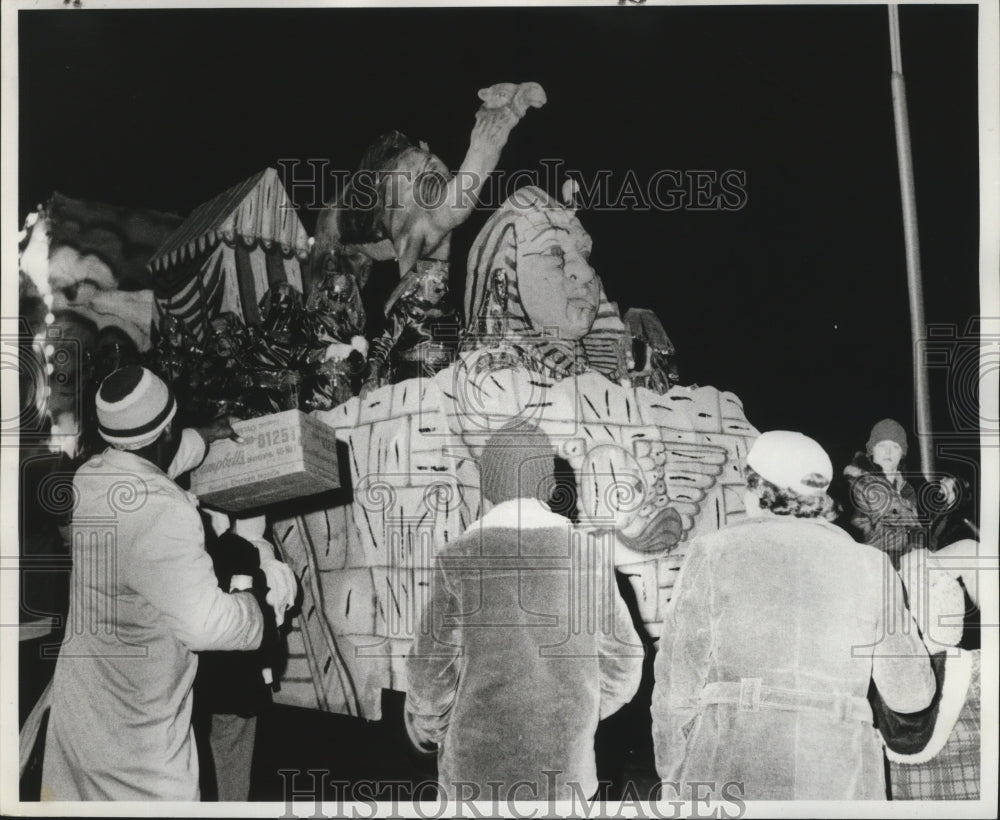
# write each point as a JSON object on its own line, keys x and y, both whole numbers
{"x": 419, "y": 203}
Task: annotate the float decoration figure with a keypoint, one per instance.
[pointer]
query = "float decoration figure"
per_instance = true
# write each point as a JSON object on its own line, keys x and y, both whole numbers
{"x": 417, "y": 207}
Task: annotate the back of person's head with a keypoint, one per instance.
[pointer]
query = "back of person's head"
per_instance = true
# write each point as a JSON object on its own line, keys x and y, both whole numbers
{"x": 790, "y": 474}
{"x": 134, "y": 407}
{"x": 518, "y": 461}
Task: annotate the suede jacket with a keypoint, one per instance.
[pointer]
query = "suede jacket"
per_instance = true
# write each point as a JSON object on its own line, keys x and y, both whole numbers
{"x": 776, "y": 628}
{"x": 524, "y": 645}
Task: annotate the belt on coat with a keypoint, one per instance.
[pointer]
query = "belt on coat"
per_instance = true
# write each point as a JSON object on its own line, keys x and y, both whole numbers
{"x": 750, "y": 695}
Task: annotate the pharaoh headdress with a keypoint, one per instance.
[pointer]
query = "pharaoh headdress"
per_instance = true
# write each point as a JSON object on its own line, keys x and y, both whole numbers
{"x": 495, "y": 314}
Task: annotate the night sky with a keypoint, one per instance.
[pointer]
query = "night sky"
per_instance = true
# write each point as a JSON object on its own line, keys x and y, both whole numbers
{"x": 797, "y": 301}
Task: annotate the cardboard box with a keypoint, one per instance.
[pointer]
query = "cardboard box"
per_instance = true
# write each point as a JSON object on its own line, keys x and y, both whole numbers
{"x": 284, "y": 455}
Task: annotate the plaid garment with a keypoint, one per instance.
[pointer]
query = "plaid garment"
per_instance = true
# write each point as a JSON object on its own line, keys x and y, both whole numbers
{"x": 954, "y": 773}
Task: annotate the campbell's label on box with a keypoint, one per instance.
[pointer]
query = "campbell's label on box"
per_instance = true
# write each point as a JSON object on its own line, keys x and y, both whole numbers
{"x": 282, "y": 456}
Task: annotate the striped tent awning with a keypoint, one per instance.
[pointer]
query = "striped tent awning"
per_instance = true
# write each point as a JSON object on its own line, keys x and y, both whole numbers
{"x": 257, "y": 212}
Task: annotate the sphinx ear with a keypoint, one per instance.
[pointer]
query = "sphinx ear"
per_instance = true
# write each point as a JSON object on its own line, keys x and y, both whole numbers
{"x": 504, "y": 268}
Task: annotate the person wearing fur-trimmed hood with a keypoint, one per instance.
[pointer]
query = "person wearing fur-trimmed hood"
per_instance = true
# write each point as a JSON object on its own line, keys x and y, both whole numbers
{"x": 525, "y": 643}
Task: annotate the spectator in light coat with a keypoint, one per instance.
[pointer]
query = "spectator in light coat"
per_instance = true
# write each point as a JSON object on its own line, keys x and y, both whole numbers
{"x": 777, "y": 626}
{"x": 144, "y": 599}
{"x": 524, "y": 645}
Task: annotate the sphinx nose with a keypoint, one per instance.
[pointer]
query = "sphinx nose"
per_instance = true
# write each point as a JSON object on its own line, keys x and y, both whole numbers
{"x": 580, "y": 273}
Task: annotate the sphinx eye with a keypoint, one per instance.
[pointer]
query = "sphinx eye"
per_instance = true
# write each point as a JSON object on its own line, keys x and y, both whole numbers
{"x": 555, "y": 251}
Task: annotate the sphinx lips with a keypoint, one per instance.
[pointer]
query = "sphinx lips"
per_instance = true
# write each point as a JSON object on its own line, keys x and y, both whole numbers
{"x": 583, "y": 307}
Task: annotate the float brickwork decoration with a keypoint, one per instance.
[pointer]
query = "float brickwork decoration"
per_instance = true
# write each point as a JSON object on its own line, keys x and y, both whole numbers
{"x": 365, "y": 566}
{"x": 644, "y": 462}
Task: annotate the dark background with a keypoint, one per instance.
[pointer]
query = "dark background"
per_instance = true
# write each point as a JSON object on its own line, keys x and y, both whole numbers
{"x": 797, "y": 302}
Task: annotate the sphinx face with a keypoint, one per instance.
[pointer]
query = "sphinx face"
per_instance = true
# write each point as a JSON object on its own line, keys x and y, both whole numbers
{"x": 559, "y": 289}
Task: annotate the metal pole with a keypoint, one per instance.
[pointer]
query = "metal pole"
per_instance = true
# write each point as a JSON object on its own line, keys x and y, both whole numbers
{"x": 910, "y": 234}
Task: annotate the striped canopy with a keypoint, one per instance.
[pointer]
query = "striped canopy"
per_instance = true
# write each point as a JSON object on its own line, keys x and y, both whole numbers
{"x": 228, "y": 252}
{"x": 257, "y": 212}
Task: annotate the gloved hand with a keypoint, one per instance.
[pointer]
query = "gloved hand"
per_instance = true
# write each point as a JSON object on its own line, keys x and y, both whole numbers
{"x": 282, "y": 586}
{"x": 424, "y": 733}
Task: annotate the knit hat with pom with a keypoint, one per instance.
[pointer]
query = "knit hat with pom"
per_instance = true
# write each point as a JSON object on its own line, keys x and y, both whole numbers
{"x": 134, "y": 407}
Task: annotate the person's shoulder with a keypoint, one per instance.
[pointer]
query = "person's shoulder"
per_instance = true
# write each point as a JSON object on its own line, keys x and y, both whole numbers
{"x": 460, "y": 545}
{"x": 168, "y": 512}
{"x": 155, "y": 494}
{"x": 864, "y": 560}
{"x": 812, "y": 539}
{"x": 729, "y": 536}
{"x": 94, "y": 465}
{"x": 736, "y": 530}
{"x": 780, "y": 526}
{"x": 860, "y": 467}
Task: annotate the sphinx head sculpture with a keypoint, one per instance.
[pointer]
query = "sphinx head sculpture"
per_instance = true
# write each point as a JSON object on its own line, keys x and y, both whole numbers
{"x": 530, "y": 282}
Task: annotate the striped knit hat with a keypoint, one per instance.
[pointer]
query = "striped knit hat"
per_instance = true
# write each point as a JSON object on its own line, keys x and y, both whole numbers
{"x": 134, "y": 407}
{"x": 518, "y": 461}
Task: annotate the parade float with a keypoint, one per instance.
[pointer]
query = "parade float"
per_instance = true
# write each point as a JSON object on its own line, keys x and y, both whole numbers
{"x": 252, "y": 322}
{"x": 654, "y": 469}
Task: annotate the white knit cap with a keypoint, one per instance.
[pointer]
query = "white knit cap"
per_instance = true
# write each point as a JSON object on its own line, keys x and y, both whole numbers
{"x": 791, "y": 461}
{"x": 134, "y": 407}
